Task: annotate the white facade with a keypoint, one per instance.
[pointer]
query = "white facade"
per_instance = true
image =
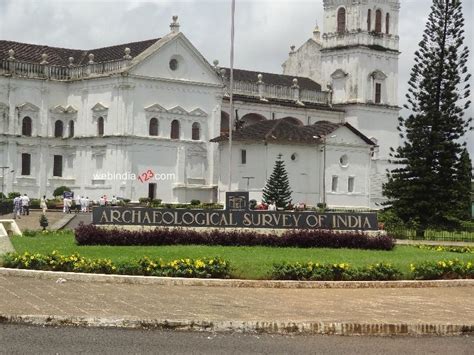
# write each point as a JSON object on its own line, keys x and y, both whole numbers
{"x": 348, "y": 157}
{"x": 94, "y": 165}
{"x": 359, "y": 60}
{"x": 108, "y": 110}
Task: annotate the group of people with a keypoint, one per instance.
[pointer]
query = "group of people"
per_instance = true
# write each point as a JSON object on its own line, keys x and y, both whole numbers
{"x": 21, "y": 206}
{"x": 80, "y": 204}
{"x": 104, "y": 201}
{"x": 271, "y": 206}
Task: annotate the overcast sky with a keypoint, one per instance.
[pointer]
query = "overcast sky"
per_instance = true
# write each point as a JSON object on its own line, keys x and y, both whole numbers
{"x": 265, "y": 29}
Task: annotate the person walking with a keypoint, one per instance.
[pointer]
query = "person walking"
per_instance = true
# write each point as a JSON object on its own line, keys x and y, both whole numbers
{"x": 16, "y": 207}
{"x": 25, "y": 205}
{"x": 43, "y": 204}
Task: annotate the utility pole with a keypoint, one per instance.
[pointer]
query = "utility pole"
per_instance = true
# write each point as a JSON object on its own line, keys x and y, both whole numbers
{"x": 231, "y": 92}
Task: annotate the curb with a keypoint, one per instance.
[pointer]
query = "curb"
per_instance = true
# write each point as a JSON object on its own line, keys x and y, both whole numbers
{"x": 269, "y": 327}
{"x": 235, "y": 283}
{"x": 63, "y": 221}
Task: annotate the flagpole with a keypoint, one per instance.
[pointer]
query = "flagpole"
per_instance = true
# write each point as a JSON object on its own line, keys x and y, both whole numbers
{"x": 231, "y": 92}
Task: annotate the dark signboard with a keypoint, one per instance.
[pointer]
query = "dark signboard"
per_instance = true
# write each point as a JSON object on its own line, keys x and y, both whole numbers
{"x": 233, "y": 218}
{"x": 237, "y": 201}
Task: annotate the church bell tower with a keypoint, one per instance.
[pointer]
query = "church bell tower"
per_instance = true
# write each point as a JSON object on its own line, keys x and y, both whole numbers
{"x": 359, "y": 60}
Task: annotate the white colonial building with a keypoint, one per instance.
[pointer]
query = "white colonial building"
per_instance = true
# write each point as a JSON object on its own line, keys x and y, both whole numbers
{"x": 137, "y": 119}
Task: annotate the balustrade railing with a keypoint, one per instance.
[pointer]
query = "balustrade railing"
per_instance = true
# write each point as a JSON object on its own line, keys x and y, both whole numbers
{"x": 263, "y": 90}
{"x": 59, "y": 72}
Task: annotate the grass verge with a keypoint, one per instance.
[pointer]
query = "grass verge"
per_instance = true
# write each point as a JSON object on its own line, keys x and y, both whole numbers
{"x": 247, "y": 262}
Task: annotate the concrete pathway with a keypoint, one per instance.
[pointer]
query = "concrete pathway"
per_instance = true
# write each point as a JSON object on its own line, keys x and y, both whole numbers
{"x": 399, "y": 309}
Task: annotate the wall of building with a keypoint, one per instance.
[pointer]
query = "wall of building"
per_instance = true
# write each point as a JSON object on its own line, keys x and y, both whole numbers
{"x": 305, "y": 171}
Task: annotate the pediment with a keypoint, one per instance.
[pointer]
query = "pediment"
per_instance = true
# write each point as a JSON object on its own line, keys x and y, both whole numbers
{"x": 155, "y": 108}
{"x": 99, "y": 107}
{"x": 178, "y": 110}
{"x": 339, "y": 74}
{"x": 70, "y": 109}
{"x": 378, "y": 75}
{"x": 58, "y": 109}
{"x": 27, "y": 106}
{"x": 198, "y": 112}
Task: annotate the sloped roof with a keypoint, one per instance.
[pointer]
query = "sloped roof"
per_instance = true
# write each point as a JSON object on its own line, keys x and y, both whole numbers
{"x": 60, "y": 56}
{"x": 273, "y": 79}
{"x": 282, "y": 131}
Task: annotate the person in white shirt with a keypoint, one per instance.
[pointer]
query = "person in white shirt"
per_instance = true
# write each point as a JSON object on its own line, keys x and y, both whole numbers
{"x": 102, "y": 201}
{"x": 43, "y": 204}
{"x": 25, "y": 205}
{"x": 87, "y": 204}
{"x": 272, "y": 206}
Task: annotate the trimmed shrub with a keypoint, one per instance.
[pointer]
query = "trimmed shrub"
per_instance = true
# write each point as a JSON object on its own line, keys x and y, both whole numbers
{"x": 144, "y": 200}
{"x": 195, "y": 202}
{"x": 12, "y": 195}
{"x": 93, "y": 235}
{"x": 6, "y": 207}
{"x": 444, "y": 269}
{"x": 202, "y": 268}
{"x": 59, "y": 192}
{"x": 334, "y": 272}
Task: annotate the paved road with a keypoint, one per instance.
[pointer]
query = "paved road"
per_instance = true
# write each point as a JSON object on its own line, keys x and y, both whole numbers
{"x": 15, "y": 339}
{"x": 30, "y": 296}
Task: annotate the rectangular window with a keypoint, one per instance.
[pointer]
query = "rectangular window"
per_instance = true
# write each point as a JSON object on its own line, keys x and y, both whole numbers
{"x": 350, "y": 184}
{"x": 378, "y": 93}
{"x": 243, "y": 156}
{"x": 58, "y": 166}
{"x": 152, "y": 191}
{"x": 334, "y": 184}
{"x": 25, "y": 164}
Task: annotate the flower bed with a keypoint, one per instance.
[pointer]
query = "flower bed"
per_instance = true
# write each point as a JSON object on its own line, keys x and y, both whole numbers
{"x": 335, "y": 272}
{"x": 451, "y": 249}
{"x": 446, "y": 269}
{"x": 201, "y": 268}
{"x": 92, "y": 235}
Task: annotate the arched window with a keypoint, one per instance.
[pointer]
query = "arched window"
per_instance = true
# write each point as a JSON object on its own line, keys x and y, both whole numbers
{"x": 387, "y": 23}
{"x": 196, "y": 131}
{"x": 369, "y": 20}
{"x": 58, "y": 129}
{"x": 71, "y": 129}
{"x": 341, "y": 20}
{"x": 26, "y": 126}
{"x": 175, "y": 129}
{"x": 153, "y": 129}
{"x": 100, "y": 126}
{"x": 378, "y": 21}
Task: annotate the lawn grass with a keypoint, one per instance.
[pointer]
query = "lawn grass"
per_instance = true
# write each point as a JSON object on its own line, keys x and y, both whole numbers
{"x": 247, "y": 262}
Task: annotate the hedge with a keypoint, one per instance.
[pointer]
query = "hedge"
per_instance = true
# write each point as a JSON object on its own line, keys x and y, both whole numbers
{"x": 430, "y": 270}
{"x": 93, "y": 235}
{"x": 334, "y": 272}
{"x": 202, "y": 268}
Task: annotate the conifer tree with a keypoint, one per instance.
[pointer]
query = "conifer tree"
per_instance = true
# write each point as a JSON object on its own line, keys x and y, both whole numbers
{"x": 423, "y": 186}
{"x": 277, "y": 188}
{"x": 463, "y": 185}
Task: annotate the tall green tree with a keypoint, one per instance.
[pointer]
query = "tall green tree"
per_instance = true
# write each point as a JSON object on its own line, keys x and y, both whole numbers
{"x": 464, "y": 187}
{"x": 426, "y": 183}
{"x": 277, "y": 188}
